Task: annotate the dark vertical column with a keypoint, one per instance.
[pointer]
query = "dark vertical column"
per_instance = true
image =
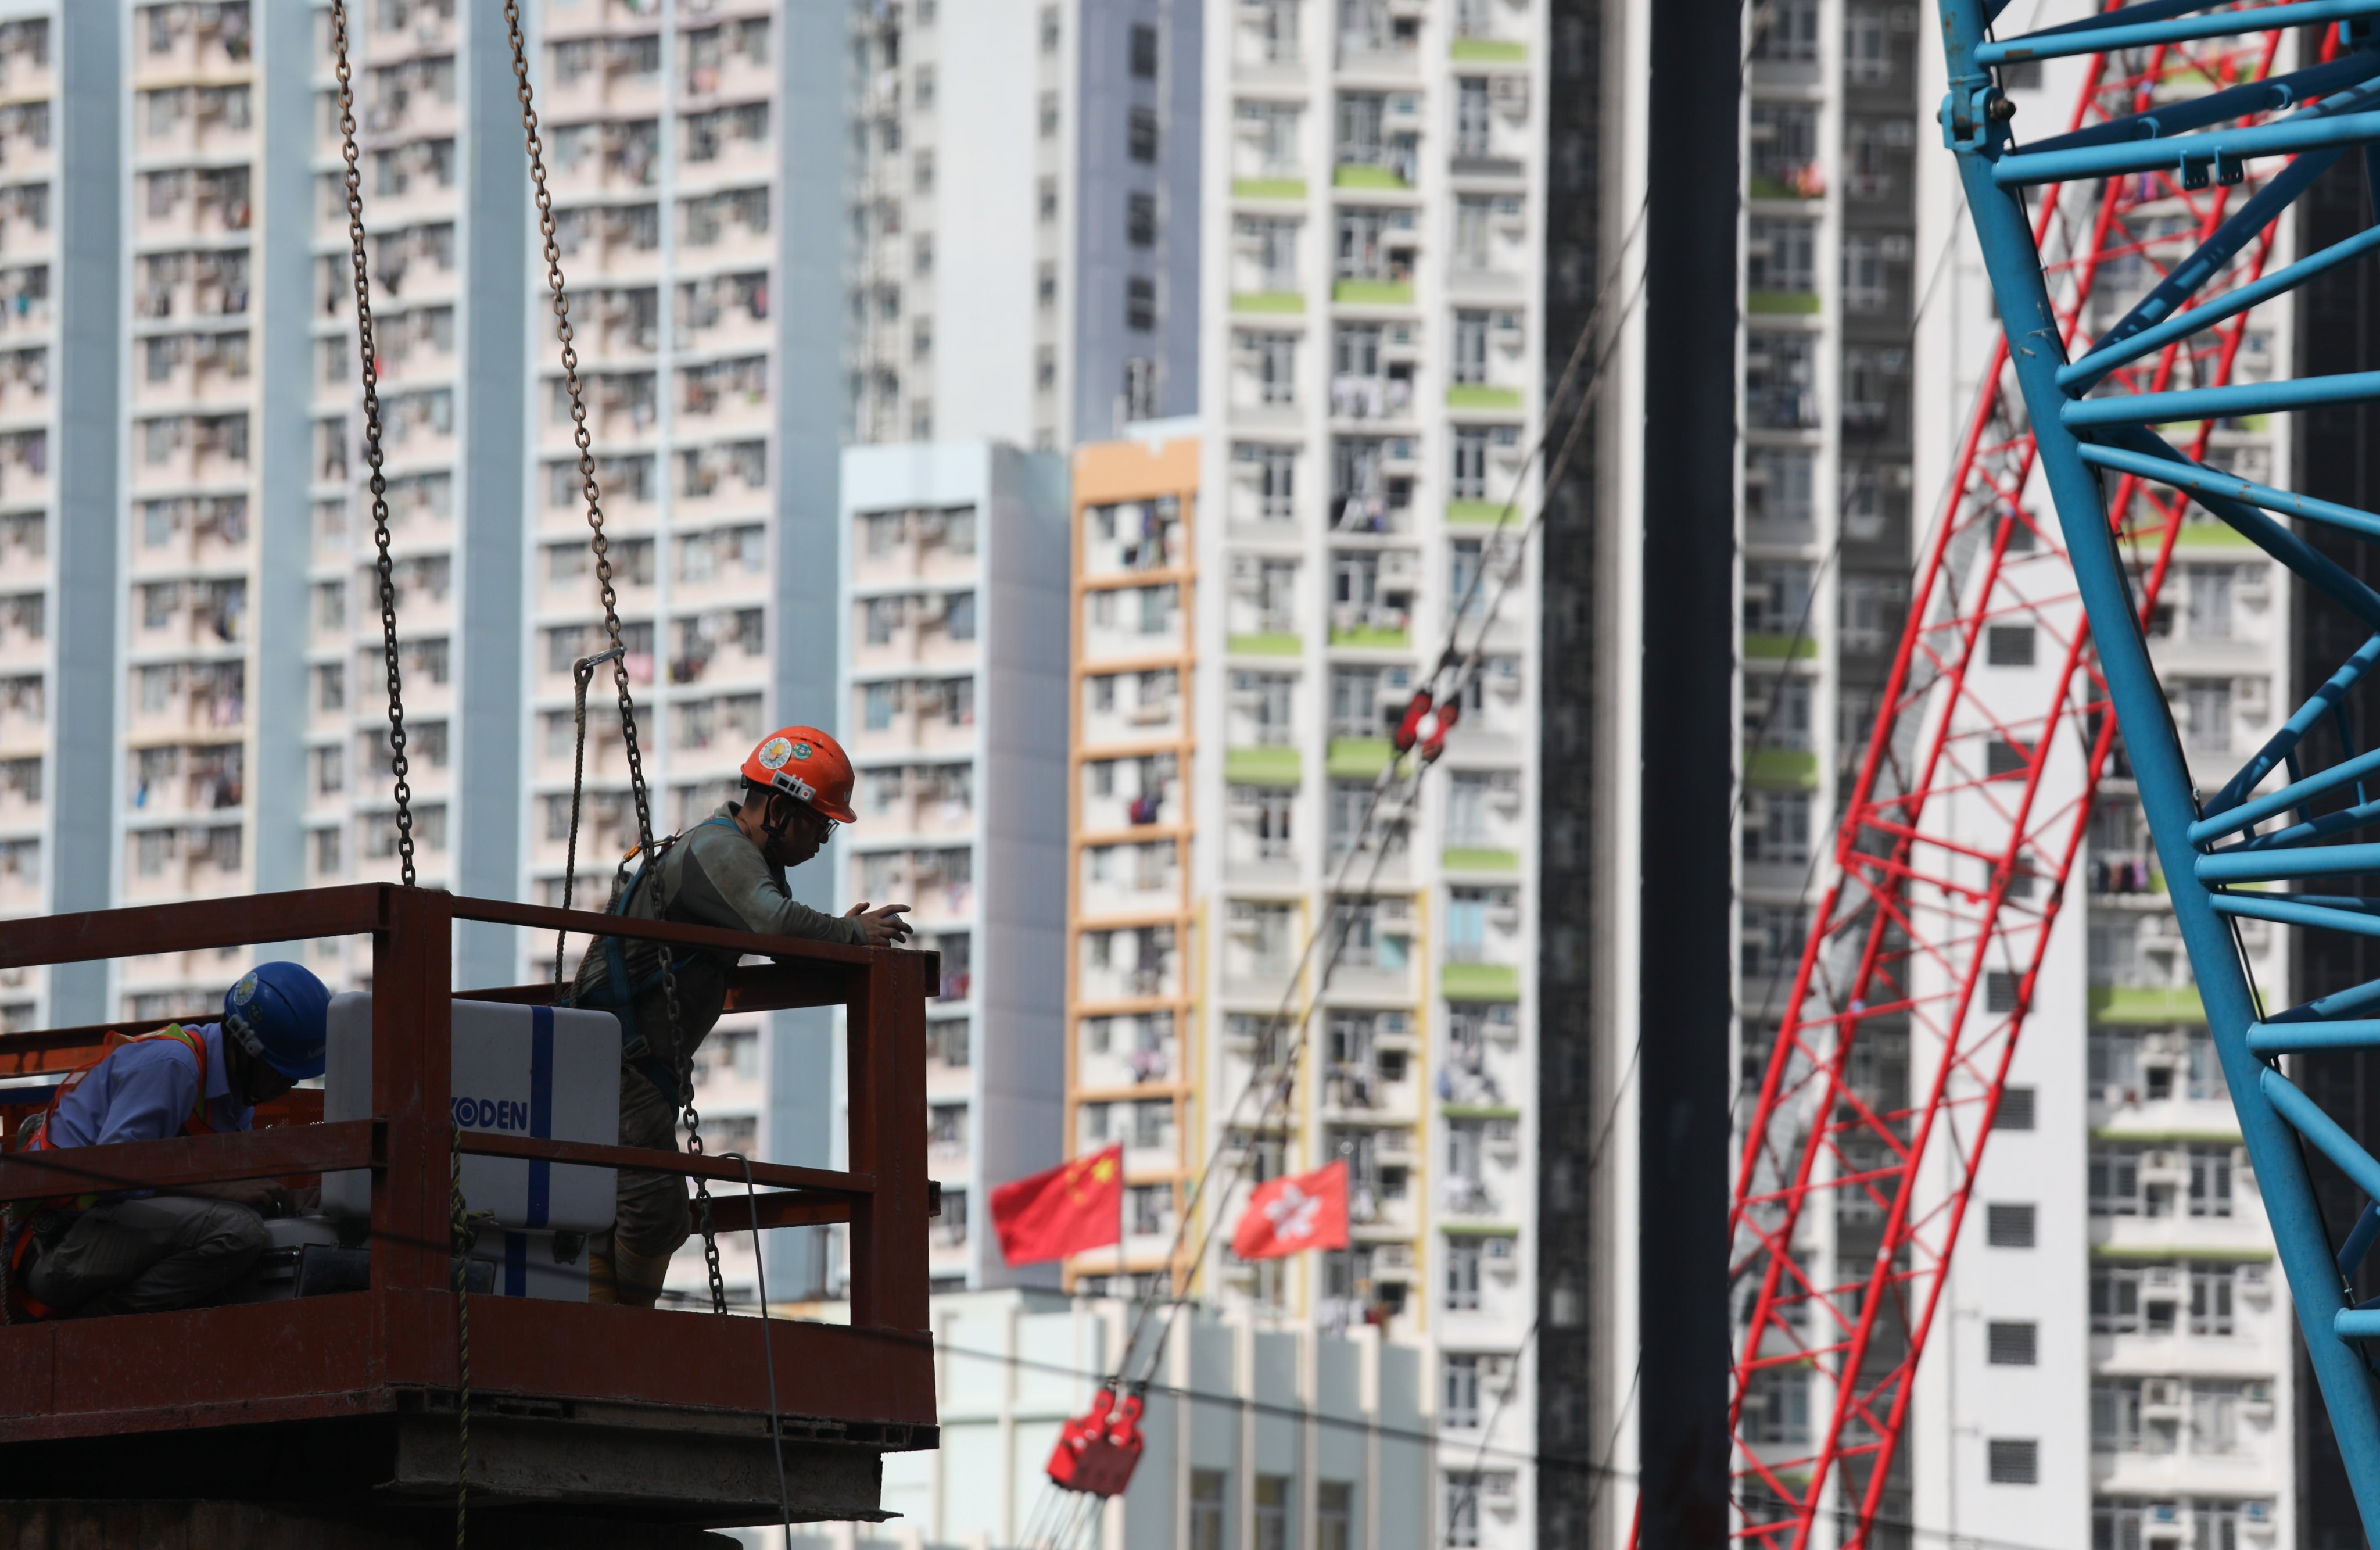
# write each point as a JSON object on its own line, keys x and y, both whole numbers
{"x": 807, "y": 297}
{"x": 284, "y": 292}
{"x": 496, "y": 303}
{"x": 1687, "y": 774}
{"x": 1573, "y": 1346}
{"x": 2337, "y": 330}
{"x": 87, "y": 362}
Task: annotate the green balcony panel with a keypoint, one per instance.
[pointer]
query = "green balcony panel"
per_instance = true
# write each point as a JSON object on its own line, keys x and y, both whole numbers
{"x": 1479, "y": 395}
{"x": 2169, "y": 1135}
{"x": 1791, "y": 767}
{"x": 1479, "y": 1111}
{"x": 1260, "y": 766}
{"x": 1268, "y": 302}
{"x": 1779, "y": 647}
{"x": 1479, "y": 981}
{"x": 2238, "y": 1254}
{"x": 1782, "y": 303}
{"x": 1477, "y": 858}
{"x": 1486, "y": 51}
{"x": 1365, "y": 757}
{"x": 1356, "y": 176}
{"x": 1264, "y": 645}
{"x": 2207, "y": 535}
{"x": 2146, "y": 1003}
{"x": 1478, "y": 1229}
{"x": 1372, "y": 639}
{"x": 1373, "y": 293}
{"x": 1269, "y": 187}
{"x": 1773, "y": 187}
{"x": 1475, "y": 514}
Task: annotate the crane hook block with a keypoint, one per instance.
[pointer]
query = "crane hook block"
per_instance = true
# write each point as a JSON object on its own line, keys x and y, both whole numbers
{"x": 1097, "y": 1452}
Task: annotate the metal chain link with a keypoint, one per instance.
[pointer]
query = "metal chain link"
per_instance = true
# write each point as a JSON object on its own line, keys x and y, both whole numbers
{"x": 368, "y": 350}
{"x": 682, "y": 1061}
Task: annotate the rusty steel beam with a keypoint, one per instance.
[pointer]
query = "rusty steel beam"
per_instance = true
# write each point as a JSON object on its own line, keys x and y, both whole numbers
{"x": 350, "y": 910}
{"x": 218, "y": 1159}
{"x": 491, "y": 1143}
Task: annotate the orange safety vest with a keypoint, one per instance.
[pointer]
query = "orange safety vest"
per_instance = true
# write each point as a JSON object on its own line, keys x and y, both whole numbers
{"x": 36, "y": 1138}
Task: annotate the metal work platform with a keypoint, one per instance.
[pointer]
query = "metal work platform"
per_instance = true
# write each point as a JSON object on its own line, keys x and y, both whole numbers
{"x": 348, "y": 1401}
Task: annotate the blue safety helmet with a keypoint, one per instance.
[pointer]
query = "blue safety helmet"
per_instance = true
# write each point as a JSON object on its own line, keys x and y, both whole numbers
{"x": 279, "y": 1013}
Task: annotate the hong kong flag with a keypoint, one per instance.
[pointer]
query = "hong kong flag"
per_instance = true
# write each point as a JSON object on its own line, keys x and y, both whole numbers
{"x": 1301, "y": 1210}
{"x": 1061, "y": 1211}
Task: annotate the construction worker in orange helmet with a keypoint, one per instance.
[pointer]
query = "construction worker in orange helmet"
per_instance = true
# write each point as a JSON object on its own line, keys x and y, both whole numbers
{"x": 727, "y": 871}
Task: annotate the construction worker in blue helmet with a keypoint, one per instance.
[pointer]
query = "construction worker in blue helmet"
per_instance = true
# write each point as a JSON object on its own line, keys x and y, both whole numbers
{"x": 143, "y": 1250}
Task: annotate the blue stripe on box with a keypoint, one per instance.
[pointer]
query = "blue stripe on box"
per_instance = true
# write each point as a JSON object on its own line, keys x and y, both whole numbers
{"x": 516, "y": 1264}
{"x": 540, "y": 1110}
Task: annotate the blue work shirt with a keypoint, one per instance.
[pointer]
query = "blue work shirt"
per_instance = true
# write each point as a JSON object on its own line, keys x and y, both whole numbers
{"x": 144, "y": 1091}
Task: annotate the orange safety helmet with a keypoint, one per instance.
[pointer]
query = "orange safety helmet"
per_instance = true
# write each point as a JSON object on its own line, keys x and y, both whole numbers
{"x": 807, "y": 764}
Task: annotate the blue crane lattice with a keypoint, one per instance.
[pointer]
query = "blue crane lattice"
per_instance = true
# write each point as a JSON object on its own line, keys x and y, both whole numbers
{"x": 2278, "y": 820}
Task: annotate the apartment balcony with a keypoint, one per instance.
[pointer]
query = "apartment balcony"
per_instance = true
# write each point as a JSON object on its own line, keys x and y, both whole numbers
{"x": 1127, "y": 802}
{"x": 728, "y": 227}
{"x": 601, "y": 76}
{"x": 726, "y": 649}
{"x": 1132, "y": 624}
{"x": 197, "y": 862}
{"x": 929, "y": 630}
{"x": 720, "y": 479}
{"x": 214, "y": 46}
{"x": 729, "y": 59}
{"x": 2248, "y": 1472}
{"x": 1130, "y": 711}
{"x": 1137, "y": 878}
{"x": 1123, "y": 974}
{"x": 1359, "y": 1092}
{"x": 937, "y": 884}
{"x": 917, "y": 800}
{"x": 723, "y": 312}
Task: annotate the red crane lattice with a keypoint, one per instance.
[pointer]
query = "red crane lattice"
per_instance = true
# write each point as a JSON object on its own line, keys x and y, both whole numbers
{"x": 1951, "y": 863}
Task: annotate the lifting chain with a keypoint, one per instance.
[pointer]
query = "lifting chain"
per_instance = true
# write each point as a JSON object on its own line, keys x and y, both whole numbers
{"x": 682, "y": 1060}
{"x": 367, "y": 349}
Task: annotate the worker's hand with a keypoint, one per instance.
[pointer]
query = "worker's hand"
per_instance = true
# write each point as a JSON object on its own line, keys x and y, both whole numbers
{"x": 884, "y": 927}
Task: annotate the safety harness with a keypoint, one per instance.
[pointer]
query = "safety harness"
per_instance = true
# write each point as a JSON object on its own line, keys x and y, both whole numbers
{"x": 619, "y": 993}
{"x": 44, "y": 1220}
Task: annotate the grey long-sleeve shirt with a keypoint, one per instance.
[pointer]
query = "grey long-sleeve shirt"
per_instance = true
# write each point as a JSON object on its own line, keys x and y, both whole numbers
{"x": 712, "y": 876}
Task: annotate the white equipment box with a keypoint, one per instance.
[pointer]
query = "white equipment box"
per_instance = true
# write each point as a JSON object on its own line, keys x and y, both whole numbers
{"x": 545, "y": 1071}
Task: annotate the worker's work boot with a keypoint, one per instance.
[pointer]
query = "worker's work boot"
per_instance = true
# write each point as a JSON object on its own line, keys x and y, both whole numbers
{"x": 637, "y": 1279}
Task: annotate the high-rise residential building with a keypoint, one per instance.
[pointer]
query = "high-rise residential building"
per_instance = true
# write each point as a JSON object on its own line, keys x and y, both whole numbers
{"x": 953, "y": 709}
{"x": 1135, "y": 1072}
{"x": 1250, "y": 628}
{"x": 2112, "y": 1358}
{"x": 1024, "y": 213}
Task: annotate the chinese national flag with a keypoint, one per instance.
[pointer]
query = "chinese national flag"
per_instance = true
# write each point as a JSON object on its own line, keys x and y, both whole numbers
{"x": 1301, "y": 1210}
{"x": 1064, "y": 1210}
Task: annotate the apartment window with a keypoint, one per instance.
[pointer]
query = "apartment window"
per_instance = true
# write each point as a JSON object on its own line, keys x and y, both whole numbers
{"x": 1784, "y": 143}
{"x": 1276, "y": 479}
{"x": 1776, "y": 597}
{"x": 1463, "y": 1257}
{"x": 1273, "y": 1512}
{"x": 1470, "y": 362}
{"x": 2116, "y": 1298}
{"x": 1460, "y": 1410}
{"x": 1775, "y": 828}
{"x": 2014, "y": 1461}
{"x": 1048, "y": 203}
{"x": 1869, "y": 260}
{"x": 1140, "y": 304}
{"x": 1049, "y": 29}
{"x": 2210, "y": 1299}
{"x": 2007, "y": 1225}
{"x": 1463, "y": 1509}
{"x": 1206, "y": 1509}
{"x": 1264, "y": 702}
{"x": 1776, "y": 1407}
{"x": 2206, "y": 711}
{"x": 1867, "y": 55}
{"x": 1787, "y": 30}
{"x": 1782, "y": 256}
{"x": 1048, "y": 115}
{"x": 1867, "y": 611}
{"x": 1334, "y": 1516}
{"x": 2008, "y": 645}
{"x": 1140, "y": 220}
{"x": 1270, "y": 245}
{"x": 1474, "y": 127}
{"x": 2011, "y": 1344}
{"x": 2000, "y": 984}
{"x": 1472, "y": 213}
{"x": 2016, "y": 1109}
{"x": 1777, "y": 484}
{"x": 1140, "y": 134}
{"x": 1780, "y": 381}
{"x": 1144, "y": 51}
{"x": 1469, "y": 472}
{"x": 2208, "y": 611}
{"x": 1275, "y": 359}
{"x": 2210, "y": 1181}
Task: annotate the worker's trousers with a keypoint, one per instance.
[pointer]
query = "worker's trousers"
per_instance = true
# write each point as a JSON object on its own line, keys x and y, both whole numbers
{"x": 653, "y": 1219}
{"x": 145, "y": 1257}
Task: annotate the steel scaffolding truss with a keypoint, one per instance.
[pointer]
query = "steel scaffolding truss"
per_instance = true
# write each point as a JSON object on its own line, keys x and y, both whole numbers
{"x": 1952, "y": 856}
